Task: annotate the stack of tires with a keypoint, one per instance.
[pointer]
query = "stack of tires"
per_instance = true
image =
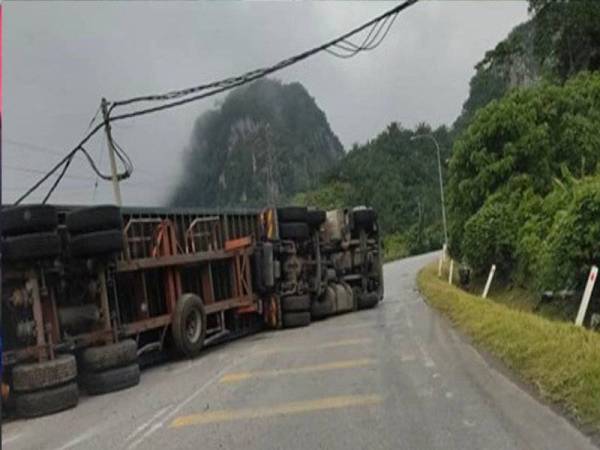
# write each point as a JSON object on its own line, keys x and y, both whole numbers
{"x": 29, "y": 234}
{"x": 30, "y": 238}
{"x": 298, "y": 223}
{"x": 295, "y": 311}
{"x": 363, "y": 219}
{"x": 46, "y": 387}
{"x": 95, "y": 231}
{"x": 292, "y": 223}
{"x": 109, "y": 368}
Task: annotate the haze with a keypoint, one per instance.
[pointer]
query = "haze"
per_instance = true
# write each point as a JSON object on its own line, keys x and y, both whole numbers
{"x": 60, "y": 59}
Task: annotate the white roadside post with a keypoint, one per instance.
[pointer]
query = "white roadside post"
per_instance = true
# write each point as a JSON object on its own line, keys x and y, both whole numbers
{"x": 488, "y": 283}
{"x": 587, "y": 294}
{"x": 451, "y": 271}
{"x": 440, "y": 263}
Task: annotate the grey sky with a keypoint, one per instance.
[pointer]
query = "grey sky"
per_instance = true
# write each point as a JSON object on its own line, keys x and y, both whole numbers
{"x": 61, "y": 58}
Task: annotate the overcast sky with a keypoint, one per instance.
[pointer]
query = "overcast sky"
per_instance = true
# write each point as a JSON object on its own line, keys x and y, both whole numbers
{"x": 61, "y": 58}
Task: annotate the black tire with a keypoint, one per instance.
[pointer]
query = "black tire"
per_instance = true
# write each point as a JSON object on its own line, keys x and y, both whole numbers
{"x": 31, "y": 246}
{"x": 292, "y": 214}
{"x": 368, "y": 300}
{"x": 111, "y": 380}
{"x": 295, "y": 303}
{"x": 189, "y": 314}
{"x": 321, "y": 308}
{"x": 28, "y": 219}
{"x": 96, "y": 218}
{"x": 315, "y": 217}
{"x": 97, "y": 243}
{"x": 364, "y": 217}
{"x": 46, "y": 401}
{"x": 97, "y": 359}
{"x": 295, "y": 319}
{"x": 36, "y": 376}
{"x": 293, "y": 230}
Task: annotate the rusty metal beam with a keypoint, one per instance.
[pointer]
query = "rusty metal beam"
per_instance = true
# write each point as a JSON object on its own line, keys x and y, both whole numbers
{"x": 175, "y": 260}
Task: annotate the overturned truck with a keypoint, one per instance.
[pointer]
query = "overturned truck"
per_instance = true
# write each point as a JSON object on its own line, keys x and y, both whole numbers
{"x": 88, "y": 292}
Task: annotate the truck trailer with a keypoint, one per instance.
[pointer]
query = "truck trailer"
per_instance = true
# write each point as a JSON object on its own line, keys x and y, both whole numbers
{"x": 89, "y": 292}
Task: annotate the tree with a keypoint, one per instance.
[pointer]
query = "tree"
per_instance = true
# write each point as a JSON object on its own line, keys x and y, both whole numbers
{"x": 523, "y": 142}
{"x": 567, "y": 34}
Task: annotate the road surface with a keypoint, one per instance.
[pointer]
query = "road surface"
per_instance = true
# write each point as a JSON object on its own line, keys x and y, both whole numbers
{"x": 395, "y": 377}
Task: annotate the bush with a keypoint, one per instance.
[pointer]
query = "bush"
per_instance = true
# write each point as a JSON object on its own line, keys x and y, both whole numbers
{"x": 573, "y": 243}
{"x": 490, "y": 236}
{"x": 528, "y": 137}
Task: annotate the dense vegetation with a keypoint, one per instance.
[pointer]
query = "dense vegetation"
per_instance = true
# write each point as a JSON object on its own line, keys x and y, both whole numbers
{"x": 399, "y": 178}
{"x": 524, "y": 180}
{"x": 266, "y": 142}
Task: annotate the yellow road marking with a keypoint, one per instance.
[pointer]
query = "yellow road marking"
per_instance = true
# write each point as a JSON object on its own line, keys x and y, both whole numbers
{"x": 342, "y": 343}
{"x": 282, "y": 409}
{"x": 344, "y": 364}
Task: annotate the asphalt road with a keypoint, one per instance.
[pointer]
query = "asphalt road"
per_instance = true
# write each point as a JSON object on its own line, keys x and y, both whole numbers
{"x": 395, "y": 377}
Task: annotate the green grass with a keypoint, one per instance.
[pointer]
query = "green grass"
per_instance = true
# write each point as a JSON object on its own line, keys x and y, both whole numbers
{"x": 561, "y": 360}
{"x": 395, "y": 247}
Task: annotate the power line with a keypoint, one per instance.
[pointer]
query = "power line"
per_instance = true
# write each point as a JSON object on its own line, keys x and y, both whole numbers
{"x": 214, "y": 88}
{"x": 39, "y": 171}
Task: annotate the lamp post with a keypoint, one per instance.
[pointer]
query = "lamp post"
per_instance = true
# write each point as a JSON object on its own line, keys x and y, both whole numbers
{"x": 439, "y": 157}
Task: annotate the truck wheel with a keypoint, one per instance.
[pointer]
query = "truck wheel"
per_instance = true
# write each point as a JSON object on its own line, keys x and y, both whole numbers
{"x": 293, "y": 230}
{"x": 31, "y": 246}
{"x": 364, "y": 217}
{"x": 97, "y": 218}
{"x": 296, "y": 319}
{"x": 28, "y": 219}
{"x": 315, "y": 217}
{"x": 292, "y": 214}
{"x": 321, "y": 308}
{"x": 189, "y": 324}
{"x": 35, "y": 376}
{"x": 97, "y": 243}
{"x": 295, "y": 303}
{"x": 46, "y": 401}
{"x": 368, "y": 300}
{"x": 97, "y": 359}
{"x": 116, "y": 379}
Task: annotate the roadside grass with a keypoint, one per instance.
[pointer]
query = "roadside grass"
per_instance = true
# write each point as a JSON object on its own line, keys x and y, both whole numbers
{"x": 395, "y": 247}
{"x": 523, "y": 299}
{"x": 561, "y": 360}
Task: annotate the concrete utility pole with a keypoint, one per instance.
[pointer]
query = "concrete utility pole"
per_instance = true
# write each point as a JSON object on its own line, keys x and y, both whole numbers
{"x": 439, "y": 157}
{"x": 111, "y": 155}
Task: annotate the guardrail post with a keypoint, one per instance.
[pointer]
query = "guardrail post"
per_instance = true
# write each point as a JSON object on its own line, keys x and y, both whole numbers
{"x": 488, "y": 283}
{"x": 587, "y": 293}
{"x": 450, "y": 272}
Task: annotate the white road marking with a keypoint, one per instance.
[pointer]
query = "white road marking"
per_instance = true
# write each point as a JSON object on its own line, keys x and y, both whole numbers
{"x": 9, "y": 439}
{"x": 174, "y": 411}
{"x": 146, "y": 424}
{"x": 81, "y": 438}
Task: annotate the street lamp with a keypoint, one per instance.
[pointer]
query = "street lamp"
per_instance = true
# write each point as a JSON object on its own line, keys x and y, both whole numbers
{"x": 439, "y": 157}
